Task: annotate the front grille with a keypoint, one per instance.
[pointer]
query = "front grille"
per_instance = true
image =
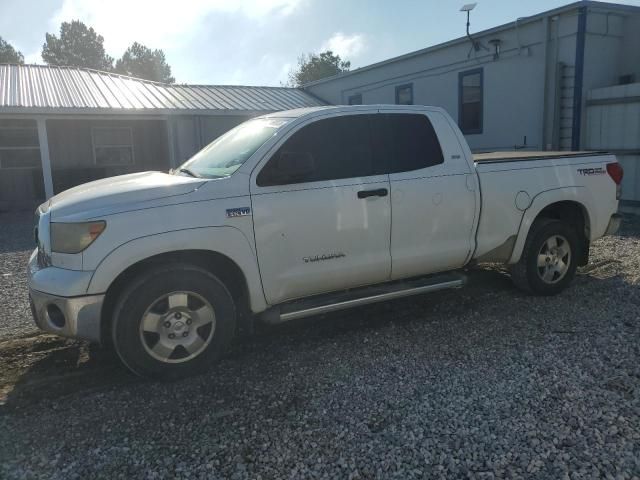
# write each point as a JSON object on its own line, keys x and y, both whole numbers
{"x": 44, "y": 260}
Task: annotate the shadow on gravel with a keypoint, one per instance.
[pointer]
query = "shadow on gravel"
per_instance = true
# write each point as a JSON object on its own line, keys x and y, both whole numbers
{"x": 45, "y": 367}
{"x": 16, "y": 234}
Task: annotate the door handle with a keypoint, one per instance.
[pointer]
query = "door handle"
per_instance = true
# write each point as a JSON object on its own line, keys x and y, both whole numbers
{"x": 379, "y": 192}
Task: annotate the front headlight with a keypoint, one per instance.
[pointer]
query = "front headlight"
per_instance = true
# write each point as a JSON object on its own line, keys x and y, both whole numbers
{"x": 74, "y": 237}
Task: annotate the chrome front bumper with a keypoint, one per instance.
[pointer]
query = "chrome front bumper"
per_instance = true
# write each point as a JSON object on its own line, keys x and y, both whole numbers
{"x": 77, "y": 317}
{"x": 59, "y": 302}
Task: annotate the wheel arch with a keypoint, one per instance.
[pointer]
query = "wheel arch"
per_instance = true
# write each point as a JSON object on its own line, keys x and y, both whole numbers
{"x": 229, "y": 273}
{"x": 571, "y": 205}
{"x": 224, "y": 251}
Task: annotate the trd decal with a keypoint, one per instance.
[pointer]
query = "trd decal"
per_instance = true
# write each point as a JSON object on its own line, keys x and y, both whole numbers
{"x": 592, "y": 171}
{"x": 320, "y": 258}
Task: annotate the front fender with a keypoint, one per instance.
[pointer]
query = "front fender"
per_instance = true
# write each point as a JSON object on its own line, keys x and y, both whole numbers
{"x": 580, "y": 195}
{"x": 228, "y": 241}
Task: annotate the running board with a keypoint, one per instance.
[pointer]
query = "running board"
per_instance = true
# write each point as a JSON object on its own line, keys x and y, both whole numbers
{"x": 331, "y": 302}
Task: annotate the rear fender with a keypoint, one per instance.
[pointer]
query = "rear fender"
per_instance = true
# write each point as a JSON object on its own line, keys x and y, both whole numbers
{"x": 580, "y": 195}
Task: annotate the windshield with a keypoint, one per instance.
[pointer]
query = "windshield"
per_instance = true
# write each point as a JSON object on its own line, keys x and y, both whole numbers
{"x": 227, "y": 153}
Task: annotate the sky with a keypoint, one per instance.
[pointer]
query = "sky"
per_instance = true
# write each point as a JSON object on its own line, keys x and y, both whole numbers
{"x": 257, "y": 42}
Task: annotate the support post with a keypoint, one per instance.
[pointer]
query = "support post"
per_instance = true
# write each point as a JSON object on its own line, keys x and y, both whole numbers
{"x": 171, "y": 140}
{"x": 44, "y": 157}
{"x": 579, "y": 79}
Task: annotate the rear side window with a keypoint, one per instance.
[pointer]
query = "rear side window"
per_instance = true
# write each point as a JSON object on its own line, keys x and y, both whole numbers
{"x": 404, "y": 142}
{"x": 329, "y": 149}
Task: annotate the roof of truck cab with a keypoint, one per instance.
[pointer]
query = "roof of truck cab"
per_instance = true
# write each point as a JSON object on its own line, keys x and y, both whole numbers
{"x": 301, "y": 112}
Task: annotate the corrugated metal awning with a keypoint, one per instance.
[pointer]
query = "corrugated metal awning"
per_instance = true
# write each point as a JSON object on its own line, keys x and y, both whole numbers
{"x": 26, "y": 88}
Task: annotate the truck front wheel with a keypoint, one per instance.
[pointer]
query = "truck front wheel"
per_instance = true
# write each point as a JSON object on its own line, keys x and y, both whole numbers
{"x": 173, "y": 321}
{"x": 549, "y": 258}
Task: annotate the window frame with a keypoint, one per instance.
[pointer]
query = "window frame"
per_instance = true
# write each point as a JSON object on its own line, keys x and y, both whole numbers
{"x": 389, "y": 168}
{"x": 400, "y": 87}
{"x": 274, "y": 149}
{"x": 27, "y": 167}
{"x": 461, "y": 75}
{"x": 93, "y": 146}
{"x": 355, "y": 95}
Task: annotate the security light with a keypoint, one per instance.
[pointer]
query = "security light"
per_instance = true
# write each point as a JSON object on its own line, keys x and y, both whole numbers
{"x": 468, "y": 7}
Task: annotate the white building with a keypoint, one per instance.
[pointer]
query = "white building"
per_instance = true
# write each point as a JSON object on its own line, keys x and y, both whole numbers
{"x": 566, "y": 79}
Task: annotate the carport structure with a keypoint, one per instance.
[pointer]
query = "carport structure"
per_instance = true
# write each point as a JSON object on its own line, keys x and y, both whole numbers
{"x": 62, "y": 126}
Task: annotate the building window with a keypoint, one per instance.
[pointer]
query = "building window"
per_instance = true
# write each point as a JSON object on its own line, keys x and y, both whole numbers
{"x": 19, "y": 145}
{"x": 112, "y": 146}
{"x": 470, "y": 101}
{"x": 355, "y": 99}
{"x": 404, "y": 94}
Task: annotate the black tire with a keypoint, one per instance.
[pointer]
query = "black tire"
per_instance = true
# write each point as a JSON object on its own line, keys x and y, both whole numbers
{"x": 143, "y": 294}
{"x": 527, "y": 275}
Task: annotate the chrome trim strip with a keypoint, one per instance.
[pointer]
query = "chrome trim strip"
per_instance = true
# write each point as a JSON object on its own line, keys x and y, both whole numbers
{"x": 285, "y": 317}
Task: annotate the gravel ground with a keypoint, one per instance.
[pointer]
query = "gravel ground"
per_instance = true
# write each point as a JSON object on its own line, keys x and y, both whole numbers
{"x": 16, "y": 245}
{"x": 482, "y": 382}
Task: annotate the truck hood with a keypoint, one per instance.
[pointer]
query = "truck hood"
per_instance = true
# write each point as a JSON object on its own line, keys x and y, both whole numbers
{"x": 114, "y": 193}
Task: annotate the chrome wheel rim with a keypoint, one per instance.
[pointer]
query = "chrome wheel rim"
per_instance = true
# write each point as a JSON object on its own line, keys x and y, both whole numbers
{"x": 177, "y": 327}
{"x": 554, "y": 259}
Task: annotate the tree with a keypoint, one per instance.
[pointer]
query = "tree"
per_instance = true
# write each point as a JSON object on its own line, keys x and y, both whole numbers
{"x": 316, "y": 66}
{"x": 8, "y": 54}
{"x": 78, "y": 46}
{"x": 142, "y": 62}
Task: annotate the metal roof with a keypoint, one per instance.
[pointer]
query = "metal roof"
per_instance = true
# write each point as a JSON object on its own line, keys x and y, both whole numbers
{"x": 50, "y": 89}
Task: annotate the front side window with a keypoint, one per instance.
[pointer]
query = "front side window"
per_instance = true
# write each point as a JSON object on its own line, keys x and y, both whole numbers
{"x": 404, "y": 94}
{"x": 471, "y": 100}
{"x": 227, "y": 153}
{"x": 19, "y": 145}
{"x": 404, "y": 142}
{"x": 112, "y": 145}
{"x": 328, "y": 149}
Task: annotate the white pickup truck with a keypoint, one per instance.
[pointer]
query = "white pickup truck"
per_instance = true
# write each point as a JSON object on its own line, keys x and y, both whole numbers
{"x": 303, "y": 212}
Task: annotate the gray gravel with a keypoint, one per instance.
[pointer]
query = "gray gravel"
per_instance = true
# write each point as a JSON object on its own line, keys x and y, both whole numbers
{"x": 478, "y": 383}
{"x": 16, "y": 244}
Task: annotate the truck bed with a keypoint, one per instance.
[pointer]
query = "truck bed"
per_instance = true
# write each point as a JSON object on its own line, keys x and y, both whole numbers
{"x": 520, "y": 155}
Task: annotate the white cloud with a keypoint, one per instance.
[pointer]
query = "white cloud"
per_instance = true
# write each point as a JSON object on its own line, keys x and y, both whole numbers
{"x": 160, "y": 23}
{"x": 347, "y": 46}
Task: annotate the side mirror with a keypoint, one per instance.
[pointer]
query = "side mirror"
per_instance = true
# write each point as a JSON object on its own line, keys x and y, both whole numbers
{"x": 293, "y": 166}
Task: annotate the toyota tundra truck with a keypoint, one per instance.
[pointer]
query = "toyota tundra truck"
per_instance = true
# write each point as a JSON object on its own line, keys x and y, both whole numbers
{"x": 303, "y": 212}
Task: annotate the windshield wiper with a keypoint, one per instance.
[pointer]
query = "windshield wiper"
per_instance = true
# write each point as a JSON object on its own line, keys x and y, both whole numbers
{"x": 188, "y": 172}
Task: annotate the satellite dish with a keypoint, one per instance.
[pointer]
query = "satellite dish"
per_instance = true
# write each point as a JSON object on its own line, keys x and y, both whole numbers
{"x": 475, "y": 45}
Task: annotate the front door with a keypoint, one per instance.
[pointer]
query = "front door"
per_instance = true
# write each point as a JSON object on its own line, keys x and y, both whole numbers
{"x": 322, "y": 211}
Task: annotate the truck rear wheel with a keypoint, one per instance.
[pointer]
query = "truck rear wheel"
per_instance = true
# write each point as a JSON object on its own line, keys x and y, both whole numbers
{"x": 173, "y": 321}
{"x": 549, "y": 259}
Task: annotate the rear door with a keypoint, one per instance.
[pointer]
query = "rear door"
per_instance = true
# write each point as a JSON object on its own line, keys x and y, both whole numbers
{"x": 433, "y": 192}
{"x": 327, "y": 228}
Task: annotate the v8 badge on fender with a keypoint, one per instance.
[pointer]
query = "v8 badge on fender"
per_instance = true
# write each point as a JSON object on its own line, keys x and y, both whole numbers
{"x": 238, "y": 212}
